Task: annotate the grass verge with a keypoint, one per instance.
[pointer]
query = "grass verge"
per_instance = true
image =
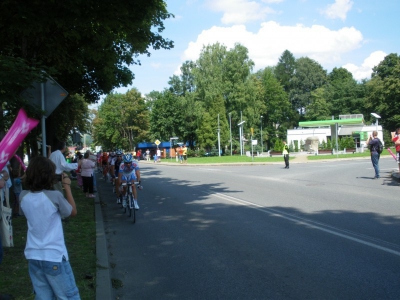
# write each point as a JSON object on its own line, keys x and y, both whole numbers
{"x": 224, "y": 159}
{"x": 80, "y": 239}
{"x": 350, "y": 155}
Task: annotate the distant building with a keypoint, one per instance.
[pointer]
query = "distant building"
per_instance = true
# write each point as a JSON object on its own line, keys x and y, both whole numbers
{"x": 346, "y": 126}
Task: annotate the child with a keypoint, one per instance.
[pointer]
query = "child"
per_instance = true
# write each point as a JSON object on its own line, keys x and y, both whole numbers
{"x": 45, "y": 249}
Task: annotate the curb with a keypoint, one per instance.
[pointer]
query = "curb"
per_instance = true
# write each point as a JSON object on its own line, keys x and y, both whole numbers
{"x": 103, "y": 277}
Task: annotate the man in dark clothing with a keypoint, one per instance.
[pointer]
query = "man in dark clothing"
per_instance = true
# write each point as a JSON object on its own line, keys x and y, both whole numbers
{"x": 373, "y": 144}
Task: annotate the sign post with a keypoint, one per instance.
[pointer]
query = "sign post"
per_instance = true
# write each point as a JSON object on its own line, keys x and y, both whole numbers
{"x": 47, "y": 96}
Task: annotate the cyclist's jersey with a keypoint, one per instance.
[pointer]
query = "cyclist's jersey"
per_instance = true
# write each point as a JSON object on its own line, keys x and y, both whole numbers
{"x": 116, "y": 163}
{"x": 129, "y": 172}
{"x": 104, "y": 159}
{"x": 111, "y": 158}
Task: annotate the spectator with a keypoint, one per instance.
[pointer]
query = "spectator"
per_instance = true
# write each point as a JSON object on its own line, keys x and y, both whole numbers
{"x": 48, "y": 263}
{"x": 184, "y": 154}
{"x": 396, "y": 140}
{"x": 87, "y": 168}
{"x": 148, "y": 155}
{"x": 78, "y": 170}
{"x": 373, "y": 144}
{"x": 57, "y": 157}
{"x": 285, "y": 152}
{"x": 4, "y": 177}
{"x": 180, "y": 151}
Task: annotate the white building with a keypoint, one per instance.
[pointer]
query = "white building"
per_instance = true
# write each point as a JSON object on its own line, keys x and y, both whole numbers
{"x": 347, "y": 126}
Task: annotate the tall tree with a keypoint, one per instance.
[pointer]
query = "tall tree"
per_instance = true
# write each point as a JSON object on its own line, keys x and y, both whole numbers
{"x": 166, "y": 116}
{"x": 122, "y": 122}
{"x": 86, "y": 45}
{"x": 285, "y": 68}
{"x": 342, "y": 92}
{"x": 309, "y": 75}
{"x": 384, "y": 91}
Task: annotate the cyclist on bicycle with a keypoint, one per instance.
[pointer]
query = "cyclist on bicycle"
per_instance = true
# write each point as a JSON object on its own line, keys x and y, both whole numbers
{"x": 104, "y": 161}
{"x": 129, "y": 172}
{"x": 115, "y": 164}
{"x": 111, "y": 157}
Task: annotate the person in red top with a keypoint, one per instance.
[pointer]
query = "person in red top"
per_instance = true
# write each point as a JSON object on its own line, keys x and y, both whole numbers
{"x": 104, "y": 163}
{"x": 396, "y": 140}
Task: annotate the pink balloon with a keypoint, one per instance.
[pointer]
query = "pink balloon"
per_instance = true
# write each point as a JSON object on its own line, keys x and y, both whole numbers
{"x": 18, "y": 131}
{"x": 20, "y": 161}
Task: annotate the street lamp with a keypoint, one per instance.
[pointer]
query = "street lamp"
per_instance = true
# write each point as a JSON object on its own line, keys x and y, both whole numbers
{"x": 241, "y": 136}
{"x": 230, "y": 130}
{"x": 376, "y": 116}
{"x": 262, "y": 150}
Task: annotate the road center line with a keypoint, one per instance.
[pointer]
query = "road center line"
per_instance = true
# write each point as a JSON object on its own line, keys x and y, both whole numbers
{"x": 312, "y": 224}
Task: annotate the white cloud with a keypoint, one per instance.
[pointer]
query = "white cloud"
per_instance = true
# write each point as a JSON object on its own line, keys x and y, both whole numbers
{"x": 364, "y": 71}
{"x": 271, "y": 1}
{"x": 155, "y": 65}
{"x": 266, "y": 46}
{"x": 339, "y": 9}
{"x": 239, "y": 11}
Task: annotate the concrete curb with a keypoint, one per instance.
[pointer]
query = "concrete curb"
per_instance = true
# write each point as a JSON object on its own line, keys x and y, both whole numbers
{"x": 103, "y": 277}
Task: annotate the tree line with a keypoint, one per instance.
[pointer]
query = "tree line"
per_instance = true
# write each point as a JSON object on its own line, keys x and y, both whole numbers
{"x": 87, "y": 46}
{"x": 220, "y": 89}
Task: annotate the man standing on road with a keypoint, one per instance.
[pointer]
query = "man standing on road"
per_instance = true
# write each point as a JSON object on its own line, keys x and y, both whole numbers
{"x": 373, "y": 143}
{"x": 285, "y": 153}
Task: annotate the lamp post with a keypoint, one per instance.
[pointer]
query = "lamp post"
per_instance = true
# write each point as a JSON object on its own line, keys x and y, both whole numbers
{"x": 230, "y": 130}
{"x": 241, "y": 136}
{"x": 377, "y": 117}
{"x": 262, "y": 148}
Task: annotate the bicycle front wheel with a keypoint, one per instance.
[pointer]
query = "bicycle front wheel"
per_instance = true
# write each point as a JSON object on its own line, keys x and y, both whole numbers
{"x": 133, "y": 210}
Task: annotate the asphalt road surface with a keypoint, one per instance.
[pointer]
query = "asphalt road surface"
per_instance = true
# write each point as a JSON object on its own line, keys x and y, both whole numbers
{"x": 322, "y": 230}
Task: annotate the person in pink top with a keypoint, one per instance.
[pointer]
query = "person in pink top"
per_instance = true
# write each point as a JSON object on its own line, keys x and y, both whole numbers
{"x": 87, "y": 168}
{"x": 396, "y": 140}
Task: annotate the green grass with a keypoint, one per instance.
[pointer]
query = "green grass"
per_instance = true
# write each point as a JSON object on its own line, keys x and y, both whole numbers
{"x": 224, "y": 159}
{"x": 80, "y": 238}
{"x": 350, "y": 155}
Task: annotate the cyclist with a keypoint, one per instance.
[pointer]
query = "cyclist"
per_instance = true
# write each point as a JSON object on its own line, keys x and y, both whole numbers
{"x": 104, "y": 161}
{"x": 111, "y": 157}
{"x": 129, "y": 172}
{"x": 115, "y": 164}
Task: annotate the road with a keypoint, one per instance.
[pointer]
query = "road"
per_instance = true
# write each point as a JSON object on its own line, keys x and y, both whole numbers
{"x": 322, "y": 230}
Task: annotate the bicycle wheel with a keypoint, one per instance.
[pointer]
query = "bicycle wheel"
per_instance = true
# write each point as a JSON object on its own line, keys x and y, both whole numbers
{"x": 130, "y": 205}
{"x": 133, "y": 210}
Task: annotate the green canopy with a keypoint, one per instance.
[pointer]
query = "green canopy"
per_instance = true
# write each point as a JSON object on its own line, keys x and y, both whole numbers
{"x": 357, "y": 121}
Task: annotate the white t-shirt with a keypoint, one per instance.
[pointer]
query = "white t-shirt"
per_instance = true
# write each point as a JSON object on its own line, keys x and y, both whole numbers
{"x": 43, "y": 211}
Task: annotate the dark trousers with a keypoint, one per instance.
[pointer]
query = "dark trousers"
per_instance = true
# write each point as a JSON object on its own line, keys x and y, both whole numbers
{"x": 375, "y": 162}
{"x": 87, "y": 184}
{"x": 286, "y": 158}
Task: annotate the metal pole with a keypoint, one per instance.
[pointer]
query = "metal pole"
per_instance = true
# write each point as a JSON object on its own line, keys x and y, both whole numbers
{"x": 262, "y": 148}
{"x": 44, "y": 150}
{"x": 230, "y": 130}
{"x": 219, "y": 141}
{"x": 240, "y": 139}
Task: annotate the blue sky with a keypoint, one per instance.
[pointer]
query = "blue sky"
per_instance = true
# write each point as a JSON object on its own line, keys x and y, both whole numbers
{"x": 355, "y": 34}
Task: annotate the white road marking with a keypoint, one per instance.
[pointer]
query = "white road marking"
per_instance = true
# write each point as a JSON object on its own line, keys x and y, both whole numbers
{"x": 320, "y": 226}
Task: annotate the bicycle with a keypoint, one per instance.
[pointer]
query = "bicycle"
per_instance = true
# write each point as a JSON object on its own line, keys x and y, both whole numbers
{"x": 131, "y": 202}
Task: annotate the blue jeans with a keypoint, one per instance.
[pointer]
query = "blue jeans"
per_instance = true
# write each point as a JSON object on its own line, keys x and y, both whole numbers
{"x": 375, "y": 162}
{"x": 53, "y": 280}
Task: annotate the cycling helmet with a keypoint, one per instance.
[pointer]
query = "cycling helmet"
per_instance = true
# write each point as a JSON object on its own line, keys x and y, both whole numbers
{"x": 118, "y": 152}
{"x": 127, "y": 158}
{"x": 112, "y": 154}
